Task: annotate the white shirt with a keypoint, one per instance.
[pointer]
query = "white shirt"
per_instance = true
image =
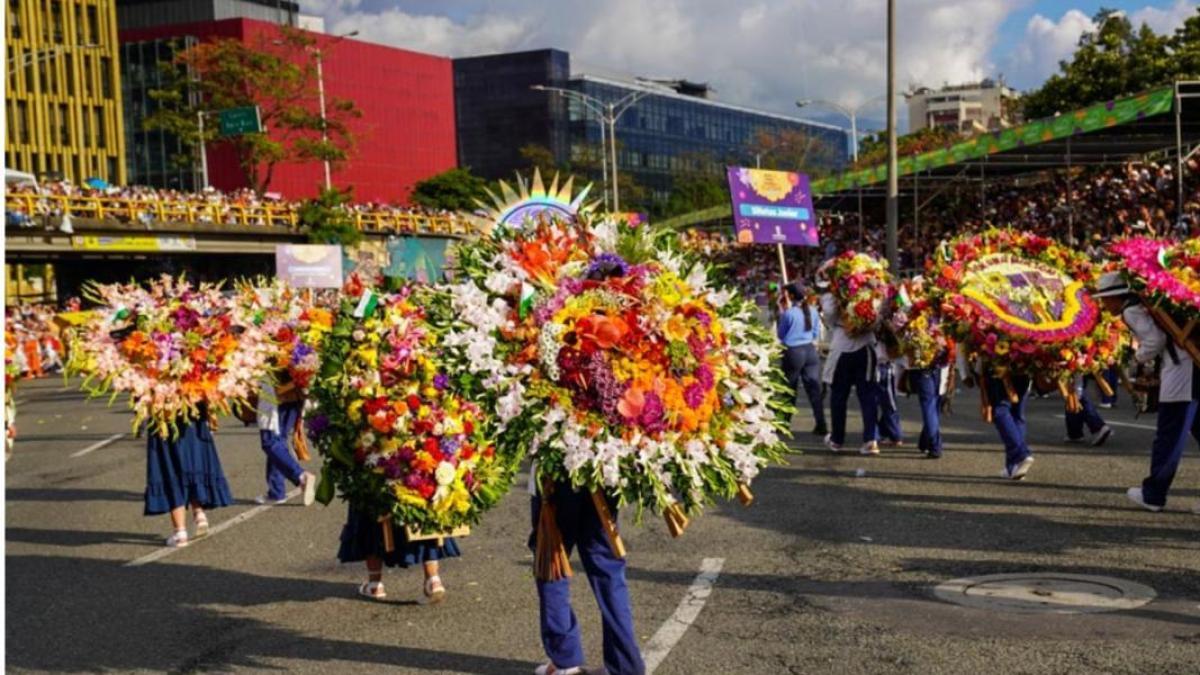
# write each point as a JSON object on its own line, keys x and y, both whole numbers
{"x": 1176, "y": 375}
{"x": 841, "y": 342}
{"x": 268, "y": 407}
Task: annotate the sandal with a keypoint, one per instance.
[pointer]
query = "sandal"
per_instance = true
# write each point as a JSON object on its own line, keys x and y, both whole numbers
{"x": 201, "y": 525}
{"x": 178, "y": 540}
{"x": 434, "y": 590}
{"x": 372, "y": 590}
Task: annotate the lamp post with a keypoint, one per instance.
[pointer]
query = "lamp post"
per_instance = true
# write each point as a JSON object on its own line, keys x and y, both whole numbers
{"x": 893, "y": 186}
{"x": 609, "y": 113}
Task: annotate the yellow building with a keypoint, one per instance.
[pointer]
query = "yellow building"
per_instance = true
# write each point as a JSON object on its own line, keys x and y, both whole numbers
{"x": 62, "y": 94}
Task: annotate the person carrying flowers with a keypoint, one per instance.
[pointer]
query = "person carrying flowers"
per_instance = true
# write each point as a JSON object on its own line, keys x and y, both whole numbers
{"x": 926, "y": 352}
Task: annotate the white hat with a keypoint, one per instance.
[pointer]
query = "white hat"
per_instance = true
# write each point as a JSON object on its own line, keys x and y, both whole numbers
{"x": 1111, "y": 284}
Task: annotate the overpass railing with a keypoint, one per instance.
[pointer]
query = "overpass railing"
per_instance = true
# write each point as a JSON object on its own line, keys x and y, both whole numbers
{"x": 133, "y": 209}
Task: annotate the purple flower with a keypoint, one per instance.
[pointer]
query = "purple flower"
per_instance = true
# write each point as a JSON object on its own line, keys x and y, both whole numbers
{"x": 694, "y": 395}
{"x": 704, "y": 376}
{"x": 185, "y": 318}
{"x": 607, "y": 265}
{"x": 441, "y": 381}
{"x": 652, "y": 414}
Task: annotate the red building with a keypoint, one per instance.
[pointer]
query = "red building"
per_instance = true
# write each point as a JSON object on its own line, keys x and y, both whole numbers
{"x": 406, "y": 132}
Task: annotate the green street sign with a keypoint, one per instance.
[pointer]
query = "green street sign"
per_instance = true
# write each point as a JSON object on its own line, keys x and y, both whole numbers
{"x": 238, "y": 121}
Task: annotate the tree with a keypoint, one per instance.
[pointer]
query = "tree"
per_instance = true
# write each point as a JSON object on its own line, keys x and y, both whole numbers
{"x": 1115, "y": 60}
{"x": 453, "y": 190}
{"x": 280, "y": 77}
{"x": 872, "y": 150}
{"x": 698, "y": 184}
{"x": 537, "y": 156}
{"x": 794, "y": 150}
{"x": 326, "y": 220}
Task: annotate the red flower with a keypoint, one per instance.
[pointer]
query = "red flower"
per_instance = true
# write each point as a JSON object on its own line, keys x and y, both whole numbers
{"x": 413, "y": 402}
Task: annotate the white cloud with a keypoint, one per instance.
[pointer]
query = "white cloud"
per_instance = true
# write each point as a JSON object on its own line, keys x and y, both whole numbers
{"x": 1164, "y": 20}
{"x": 1046, "y": 42}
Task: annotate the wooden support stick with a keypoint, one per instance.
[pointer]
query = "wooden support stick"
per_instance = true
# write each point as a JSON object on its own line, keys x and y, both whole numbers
{"x": 389, "y": 537}
{"x": 677, "y": 520}
{"x": 1102, "y": 384}
{"x": 610, "y": 526}
{"x": 745, "y": 496}
{"x": 985, "y": 405}
{"x": 1009, "y": 389}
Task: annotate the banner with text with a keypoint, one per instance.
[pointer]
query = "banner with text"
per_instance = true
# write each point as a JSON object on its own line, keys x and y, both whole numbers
{"x": 309, "y": 265}
{"x": 772, "y": 207}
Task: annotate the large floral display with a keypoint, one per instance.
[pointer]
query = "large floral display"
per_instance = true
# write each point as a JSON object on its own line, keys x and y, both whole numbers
{"x": 613, "y": 362}
{"x": 861, "y": 285}
{"x": 176, "y": 349}
{"x": 399, "y": 432}
{"x": 295, "y": 325}
{"x": 1021, "y": 302}
{"x": 917, "y": 325}
{"x": 1166, "y": 274}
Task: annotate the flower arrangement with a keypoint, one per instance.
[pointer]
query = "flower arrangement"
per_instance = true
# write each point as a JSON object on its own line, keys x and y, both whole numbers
{"x": 917, "y": 325}
{"x": 399, "y": 433}
{"x": 295, "y": 325}
{"x": 1166, "y": 274}
{"x": 613, "y": 362}
{"x": 1020, "y": 301}
{"x": 861, "y": 286}
{"x": 175, "y": 348}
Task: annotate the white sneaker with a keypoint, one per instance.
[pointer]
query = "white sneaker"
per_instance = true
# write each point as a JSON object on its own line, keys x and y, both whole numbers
{"x": 309, "y": 483}
{"x": 869, "y": 448}
{"x": 551, "y": 669}
{"x": 178, "y": 540}
{"x": 1106, "y": 406}
{"x": 835, "y": 448}
{"x": 1135, "y": 496}
{"x": 262, "y": 499}
{"x": 1018, "y": 472}
{"x": 1102, "y": 436}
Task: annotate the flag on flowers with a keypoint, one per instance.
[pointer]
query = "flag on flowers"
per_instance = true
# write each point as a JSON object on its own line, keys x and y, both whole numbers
{"x": 395, "y": 422}
{"x": 177, "y": 349}
{"x": 917, "y": 326}
{"x": 612, "y": 360}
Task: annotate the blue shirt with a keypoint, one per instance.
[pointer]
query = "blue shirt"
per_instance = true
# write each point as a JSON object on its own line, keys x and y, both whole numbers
{"x": 791, "y": 326}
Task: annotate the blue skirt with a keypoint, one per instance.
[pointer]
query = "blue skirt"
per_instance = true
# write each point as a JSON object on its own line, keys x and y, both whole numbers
{"x": 184, "y": 470}
{"x": 362, "y": 537}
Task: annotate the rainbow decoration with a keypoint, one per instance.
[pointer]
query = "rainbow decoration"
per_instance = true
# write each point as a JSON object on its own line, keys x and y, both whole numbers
{"x": 530, "y": 202}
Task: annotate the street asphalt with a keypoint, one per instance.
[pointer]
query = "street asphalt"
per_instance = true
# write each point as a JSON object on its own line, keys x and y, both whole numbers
{"x": 830, "y": 571}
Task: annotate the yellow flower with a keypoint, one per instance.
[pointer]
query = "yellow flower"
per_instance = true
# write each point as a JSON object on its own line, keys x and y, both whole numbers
{"x": 408, "y": 496}
{"x": 676, "y": 328}
{"x": 354, "y": 411}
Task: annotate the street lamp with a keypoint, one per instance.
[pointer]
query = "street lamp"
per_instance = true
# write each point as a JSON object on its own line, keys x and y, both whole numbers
{"x": 316, "y": 51}
{"x": 851, "y": 113}
{"x": 609, "y": 113}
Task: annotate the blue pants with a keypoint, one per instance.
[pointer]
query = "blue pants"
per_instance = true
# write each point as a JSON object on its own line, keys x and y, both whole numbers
{"x": 280, "y": 463}
{"x": 888, "y": 424}
{"x": 802, "y": 367}
{"x": 580, "y": 527}
{"x": 926, "y": 383}
{"x": 1009, "y": 418}
{"x": 1087, "y": 415}
{"x": 1113, "y": 379}
{"x": 853, "y": 371}
{"x": 1175, "y": 420}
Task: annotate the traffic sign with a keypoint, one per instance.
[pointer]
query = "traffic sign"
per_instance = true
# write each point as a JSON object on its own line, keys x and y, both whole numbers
{"x": 238, "y": 121}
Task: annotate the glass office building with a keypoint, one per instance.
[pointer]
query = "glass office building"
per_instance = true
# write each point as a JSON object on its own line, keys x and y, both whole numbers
{"x": 499, "y": 113}
{"x": 153, "y": 157}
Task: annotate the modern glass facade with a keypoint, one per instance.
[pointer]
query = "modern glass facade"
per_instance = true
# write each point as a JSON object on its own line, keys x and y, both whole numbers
{"x": 498, "y": 113}
{"x": 152, "y": 156}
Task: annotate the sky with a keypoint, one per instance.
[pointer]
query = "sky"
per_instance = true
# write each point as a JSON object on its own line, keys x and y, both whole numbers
{"x": 763, "y": 54}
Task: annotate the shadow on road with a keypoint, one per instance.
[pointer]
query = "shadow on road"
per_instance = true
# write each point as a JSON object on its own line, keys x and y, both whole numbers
{"x": 124, "y": 619}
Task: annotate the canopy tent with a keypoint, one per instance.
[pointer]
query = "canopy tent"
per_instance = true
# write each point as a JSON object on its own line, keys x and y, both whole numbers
{"x": 1105, "y": 133}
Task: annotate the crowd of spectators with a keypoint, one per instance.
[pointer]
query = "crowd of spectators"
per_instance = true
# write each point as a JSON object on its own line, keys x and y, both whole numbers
{"x": 149, "y": 206}
{"x": 33, "y": 342}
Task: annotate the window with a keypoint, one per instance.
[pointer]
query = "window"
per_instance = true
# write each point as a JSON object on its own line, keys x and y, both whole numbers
{"x": 43, "y": 77}
{"x": 69, "y": 69}
{"x": 98, "y": 116}
{"x": 80, "y": 37}
{"x": 111, "y": 176}
{"x": 23, "y": 121}
{"x": 56, "y": 20}
{"x": 64, "y": 124}
{"x": 93, "y": 25}
{"x": 14, "y": 18}
{"x": 106, "y": 77}
{"x": 88, "y": 82}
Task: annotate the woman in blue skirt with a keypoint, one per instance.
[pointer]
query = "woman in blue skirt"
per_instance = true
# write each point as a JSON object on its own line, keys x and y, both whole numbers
{"x": 185, "y": 471}
{"x": 362, "y": 540}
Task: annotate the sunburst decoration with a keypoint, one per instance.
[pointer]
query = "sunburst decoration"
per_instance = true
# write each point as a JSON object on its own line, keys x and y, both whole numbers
{"x": 531, "y": 201}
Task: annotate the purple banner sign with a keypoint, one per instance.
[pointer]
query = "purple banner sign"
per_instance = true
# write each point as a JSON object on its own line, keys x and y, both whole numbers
{"x": 772, "y": 207}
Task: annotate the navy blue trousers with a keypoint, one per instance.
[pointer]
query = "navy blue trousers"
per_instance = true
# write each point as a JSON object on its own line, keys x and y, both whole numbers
{"x": 802, "y": 368}
{"x": 280, "y": 462}
{"x": 581, "y": 528}
{"x": 926, "y": 383}
{"x": 888, "y": 423}
{"x": 853, "y": 371}
{"x": 1113, "y": 379}
{"x": 1009, "y": 418}
{"x": 1175, "y": 421}
{"x": 1087, "y": 416}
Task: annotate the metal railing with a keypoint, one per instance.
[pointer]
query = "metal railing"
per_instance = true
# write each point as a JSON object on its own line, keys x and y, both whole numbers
{"x": 154, "y": 210}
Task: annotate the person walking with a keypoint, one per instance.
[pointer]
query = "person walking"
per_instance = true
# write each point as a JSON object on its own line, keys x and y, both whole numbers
{"x": 363, "y": 540}
{"x": 851, "y": 365}
{"x": 799, "y": 329}
{"x": 887, "y": 425}
{"x": 278, "y": 415}
{"x": 1005, "y": 394}
{"x": 1178, "y": 394}
{"x": 185, "y": 471}
{"x": 1087, "y": 416}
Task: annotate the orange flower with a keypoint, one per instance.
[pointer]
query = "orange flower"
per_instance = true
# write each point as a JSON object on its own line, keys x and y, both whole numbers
{"x": 631, "y": 403}
{"x": 605, "y": 331}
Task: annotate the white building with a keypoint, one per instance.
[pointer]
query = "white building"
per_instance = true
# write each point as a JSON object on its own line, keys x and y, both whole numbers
{"x": 965, "y": 108}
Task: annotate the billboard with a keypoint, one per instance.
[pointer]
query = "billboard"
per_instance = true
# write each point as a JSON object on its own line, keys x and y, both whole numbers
{"x": 309, "y": 265}
{"x": 772, "y": 207}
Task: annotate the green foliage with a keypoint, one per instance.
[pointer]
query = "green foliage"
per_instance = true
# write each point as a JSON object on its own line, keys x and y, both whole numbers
{"x": 1116, "y": 60}
{"x": 453, "y": 190}
{"x": 327, "y": 221}
{"x": 872, "y": 150}
{"x": 280, "y": 77}
{"x": 699, "y": 184}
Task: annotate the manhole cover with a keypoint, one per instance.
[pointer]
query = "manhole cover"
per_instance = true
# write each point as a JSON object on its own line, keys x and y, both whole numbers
{"x": 1046, "y": 592}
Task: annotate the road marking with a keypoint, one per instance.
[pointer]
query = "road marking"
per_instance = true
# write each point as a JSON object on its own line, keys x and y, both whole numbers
{"x": 1129, "y": 425}
{"x": 685, "y": 614}
{"x": 212, "y": 532}
{"x": 101, "y": 444}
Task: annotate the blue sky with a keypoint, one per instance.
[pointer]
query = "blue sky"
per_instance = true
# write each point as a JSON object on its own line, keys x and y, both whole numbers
{"x": 760, "y": 53}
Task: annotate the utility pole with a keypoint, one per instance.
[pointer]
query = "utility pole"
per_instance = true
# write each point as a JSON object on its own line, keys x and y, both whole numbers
{"x": 893, "y": 186}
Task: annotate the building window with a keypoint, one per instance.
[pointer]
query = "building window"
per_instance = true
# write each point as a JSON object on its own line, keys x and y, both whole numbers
{"x": 112, "y": 176}
{"x": 98, "y": 116}
{"x": 88, "y": 84}
{"x": 14, "y": 18}
{"x": 64, "y": 124}
{"x": 106, "y": 77}
{"x": 23, "y": 121}
{"x": 56, "y": 20}
{"x": 93, "y": 25}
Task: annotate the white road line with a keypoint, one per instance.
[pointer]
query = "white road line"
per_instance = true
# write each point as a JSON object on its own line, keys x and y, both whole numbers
{"x": 212, "y": 532}
{"x": 685, "y": 614}
{"x": 101, "y": 444}
{"x": 1129, "y": 425}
